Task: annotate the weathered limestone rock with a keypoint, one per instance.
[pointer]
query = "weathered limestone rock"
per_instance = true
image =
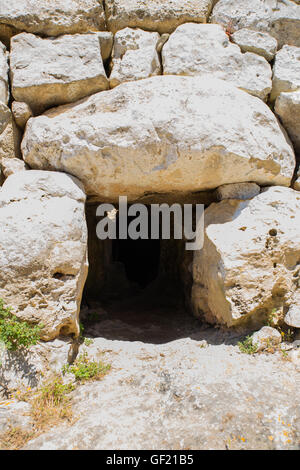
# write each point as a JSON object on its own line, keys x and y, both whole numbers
{"x": 43, "y": 254}
{"x": 287, "y": 107}
{"x": 51, "y": 18}
{"x": 286, "y": 71}
{"x": 3, "y": 75}
{"x": 21, "y": 112}
{"x": 106, "y": 40}
{"x": 162, "y": 16}
{"x": 162, "y": 134}
{"x": 134, "y": 56}
{"x": 266, "y": 337}
{"x": 292, "y": 317}
{"x": 9, "y": 134}
{"x": 295, "y": 358}
{"x": 15, "y": 415}
{"x": 205, "y": 49}
{"x": 249, "y": 264}
{"x": 255, "y": 41}
{"x": 30, "y": 368}
{"x": 237, "y": 191}
{"x": 10, "y": 166}
{"x": 279, "y": 18}
{"x": 49, "y": 72}
{"x": 188, "y": 383}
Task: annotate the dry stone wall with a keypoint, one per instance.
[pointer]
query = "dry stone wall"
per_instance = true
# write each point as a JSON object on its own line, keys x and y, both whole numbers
{"x": 159, "y": 96}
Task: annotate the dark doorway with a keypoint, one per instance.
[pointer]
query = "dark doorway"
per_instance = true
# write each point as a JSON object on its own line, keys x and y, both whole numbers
{"x": 136, "y": 289}
{"x": 140, "y": 258}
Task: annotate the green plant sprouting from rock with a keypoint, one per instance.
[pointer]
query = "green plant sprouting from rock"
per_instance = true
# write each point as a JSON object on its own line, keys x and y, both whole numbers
{"x": 246, "y": 346}
{"x": 84, "y": 369}
{"x": 15, "y": 333}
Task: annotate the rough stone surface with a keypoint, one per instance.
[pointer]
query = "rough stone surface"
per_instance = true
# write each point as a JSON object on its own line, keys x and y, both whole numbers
{"x": 256, "y": 42}
{"x": 249, "y": 264}
{"x": 106, "y": 40}
{"x": 292, "y": 317}
{"x": 134, "y": 56}
{"x": 295, "y": 358}
{"x": 162, "y": 16}
{"x": 287, "y": 107}
{"x": 237, "y": 191}
{"x": 49, "y": 72}
{"x": 4, "y": 94}
{"x": 205, "y": 49}
{"x": 162, "y": 134}
{"x": 43, "y": 243}
{"x": 21, "y": 112}
{"x": 25, "y": 369}
{"x": 14, "y": 414}
{"x": 12, "y": 165}
{"x": 286, "y": 71}
{"x": 9, "y": 134}
{"x": 266, "y": 337}
{"x": 279, "y": 18}
{"x": 50, "y": 18}
{"x": 180, "y": 394}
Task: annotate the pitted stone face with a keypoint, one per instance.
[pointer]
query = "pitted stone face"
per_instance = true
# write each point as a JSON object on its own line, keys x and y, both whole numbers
{"x": 43, "y": 258}
{"x": 281, "y": 19}
{"x": 162, "y": 16}
{"x": 287, "y": 107}
{"x": 134, "y": 56}
{"x": 205, "y": 50}
{"x": 249, "y": 264}
{"x": 286, "y": 71}
{"x": 159, "y": 135}
{"x": 50, "y": 72}
{"x": 50, "y": 18}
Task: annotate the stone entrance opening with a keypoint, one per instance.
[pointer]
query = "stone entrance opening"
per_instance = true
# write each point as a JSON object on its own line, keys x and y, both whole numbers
{"x": 136, "y": 289}
{"x": 140, "y": 259}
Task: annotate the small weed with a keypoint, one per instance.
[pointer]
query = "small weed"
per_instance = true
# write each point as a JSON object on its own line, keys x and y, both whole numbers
{"x": 51, "y": 404}
{"x": 81, "y": 330}
{"x": 285, "y": 355}
{"x": 88, "y": 341}
{"x": 275, "y": 318}
{"x": 83, "y": 369}
{"x": 15, "y": 438}
{"x": 287, "y": 335}
{"x": 246, "y": 346}
{"x": 55, "y": 392}
{"x": 14, "y": 333}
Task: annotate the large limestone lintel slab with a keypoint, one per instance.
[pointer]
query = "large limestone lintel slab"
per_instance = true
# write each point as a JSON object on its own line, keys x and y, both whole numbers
{"x": 161, "y": 135}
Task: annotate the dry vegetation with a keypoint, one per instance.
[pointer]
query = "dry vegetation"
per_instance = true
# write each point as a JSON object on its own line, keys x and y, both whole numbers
{"x": 51, "y": 404}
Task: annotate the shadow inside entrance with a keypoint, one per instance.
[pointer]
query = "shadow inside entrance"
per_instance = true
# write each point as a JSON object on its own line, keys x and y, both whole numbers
{"x": 140, "y": 290}
{"x": 152, "y": 315}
